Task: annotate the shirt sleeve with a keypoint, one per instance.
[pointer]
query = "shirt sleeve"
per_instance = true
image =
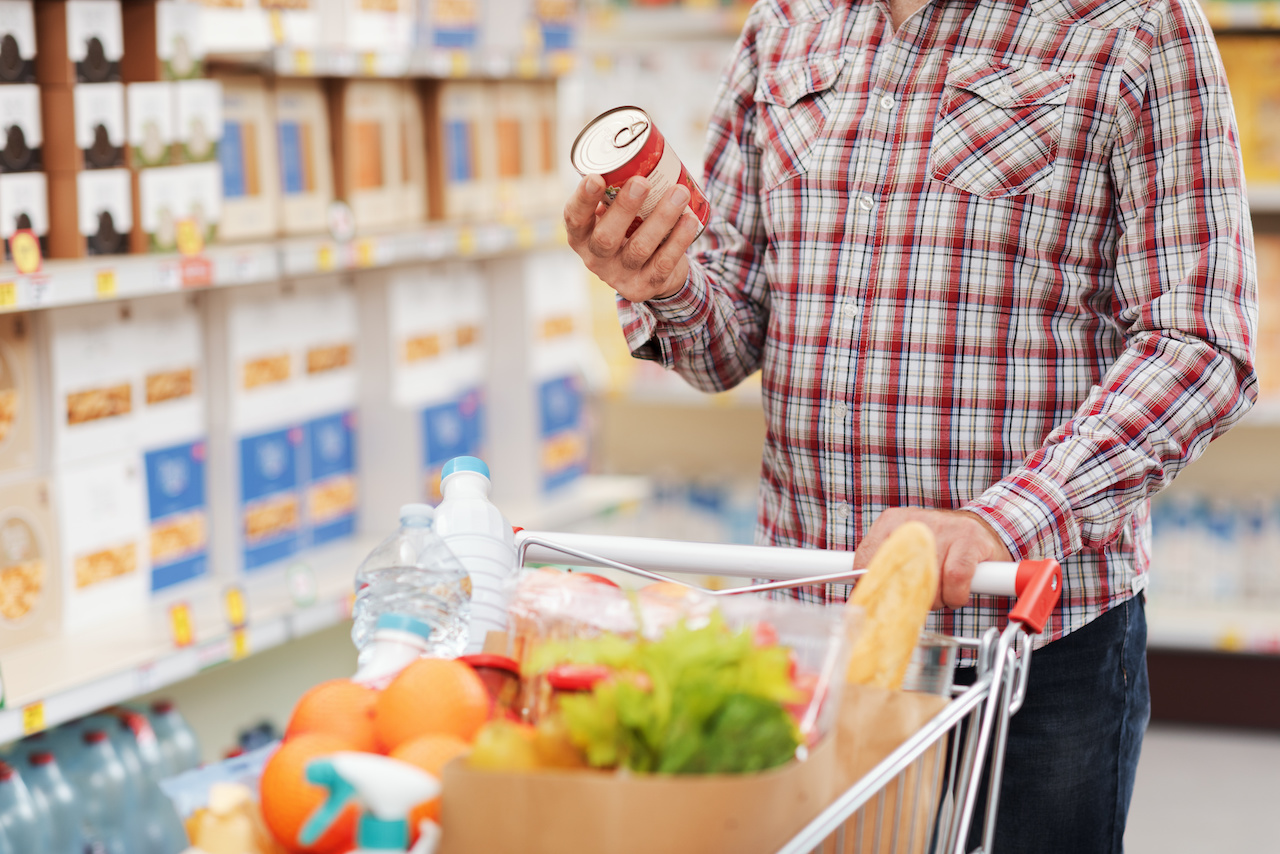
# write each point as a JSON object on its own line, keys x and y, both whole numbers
{"x": 712, "y": 331}
{"x": 1185, "y": 297}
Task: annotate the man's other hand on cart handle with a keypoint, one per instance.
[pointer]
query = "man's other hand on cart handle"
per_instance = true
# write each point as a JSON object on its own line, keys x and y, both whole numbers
{"x": 964, "y": 540}
{"x": 651, "y": 263}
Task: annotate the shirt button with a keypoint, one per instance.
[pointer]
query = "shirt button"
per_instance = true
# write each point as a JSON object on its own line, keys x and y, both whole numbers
{"x": 842, "y": 510}
{"x": 866, "y": 203}
{"x": 841, "y": 410}
{"x": 849, "y": 309}
{"x": 886, "y": 102}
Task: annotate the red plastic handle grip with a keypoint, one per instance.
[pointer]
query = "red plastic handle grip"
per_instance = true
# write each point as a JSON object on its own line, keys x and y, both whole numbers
{"x": 1039, "y": 587}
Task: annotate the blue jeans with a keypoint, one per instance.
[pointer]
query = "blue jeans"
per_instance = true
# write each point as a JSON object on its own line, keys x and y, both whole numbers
{"x": 1074, "y": 745}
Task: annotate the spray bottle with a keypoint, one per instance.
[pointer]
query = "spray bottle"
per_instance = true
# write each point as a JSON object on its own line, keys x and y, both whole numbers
{"x": 385, "y": 789}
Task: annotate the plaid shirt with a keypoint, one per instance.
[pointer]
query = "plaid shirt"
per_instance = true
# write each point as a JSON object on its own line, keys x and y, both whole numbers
{"x": 1000, "y": 260}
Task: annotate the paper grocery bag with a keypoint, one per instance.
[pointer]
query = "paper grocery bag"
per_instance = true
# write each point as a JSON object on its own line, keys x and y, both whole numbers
{"x": 873, "y": 722}
{"x": 594, "y": 812}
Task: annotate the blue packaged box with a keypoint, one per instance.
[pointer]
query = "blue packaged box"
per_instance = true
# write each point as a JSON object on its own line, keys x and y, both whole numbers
{"x": 562, "y": 431}
{"x": 270, "y": 524}
{"x": 331, "y": 491}
{"x": 451, "y": 429}
{"x": 177, "y": 514}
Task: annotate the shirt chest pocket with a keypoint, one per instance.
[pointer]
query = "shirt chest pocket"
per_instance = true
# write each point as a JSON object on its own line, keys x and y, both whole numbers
{"x": 998, "y": 130}
{"x": 793, "y": 100}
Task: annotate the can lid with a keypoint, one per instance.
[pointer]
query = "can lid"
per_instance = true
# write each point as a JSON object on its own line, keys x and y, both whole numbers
{"x": 42, "y": 757}
{"x": 610, "y": 140}
{"x": 94, "y": 736}
{"x": 497, "y": 662}
{"x": 458, "y": 464}
{"x": 576, "y": 677}
{"x": 403, "y": 623}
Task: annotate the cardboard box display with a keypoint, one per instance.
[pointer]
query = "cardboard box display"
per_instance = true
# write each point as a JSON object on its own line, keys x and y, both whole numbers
{"x": 84, "y": 126}
{"x": 21, "y": 138}
{"x": 368, "y": 25}
{"x": 450, "y": 25}
{"x": 20, "y": 423}
{"x": 103, "y": 539}
{"x": 367, "y": 150}
{"x": 305, "y": 156}
{"x": 24, "y": 205}
{"x": 170, "y": 201}
{"x": 91, "y": 213}
{"x": 17, "y": 41}
{"x": 78, "y": 41}
{"x": 149, "y": 110}
{"x": 250, "y": 182}
{"x": 198, "y": 124}
{"x": 467, "y": 149}
{"x": 177, "y": 514}
{"x": 162, "y": 41}
{"x": 30, "y": 586}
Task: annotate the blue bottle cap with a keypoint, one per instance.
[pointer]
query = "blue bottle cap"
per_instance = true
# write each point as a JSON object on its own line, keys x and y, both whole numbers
{"x": 464, "y": 464}
{"x": 403, "y": 623}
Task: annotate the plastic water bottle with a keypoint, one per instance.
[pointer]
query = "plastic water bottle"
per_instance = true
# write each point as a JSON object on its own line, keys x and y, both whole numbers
{"x": 179, "y": 747}
{"x": 18, "y": 814}
{"x": 109, "y": 814}
{"x": 397, "y": 641}
{"x": 475, "y": 530}
{"x": 158, "y": 829}
{"x": 413, "y": 573}
{"x": 54, "y": 797}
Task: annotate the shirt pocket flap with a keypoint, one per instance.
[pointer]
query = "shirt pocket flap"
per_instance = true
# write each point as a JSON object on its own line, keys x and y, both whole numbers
{"x": 785, "y": 84}
{"x": 1008, "y": 86}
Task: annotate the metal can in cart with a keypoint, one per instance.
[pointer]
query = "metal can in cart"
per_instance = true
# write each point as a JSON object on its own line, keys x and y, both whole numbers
{"x": 624, "y": 142}
{"x": 922, "y": 798}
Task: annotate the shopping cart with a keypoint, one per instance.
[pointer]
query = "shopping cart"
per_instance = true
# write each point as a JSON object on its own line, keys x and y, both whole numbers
{"x": 923, "y": 796}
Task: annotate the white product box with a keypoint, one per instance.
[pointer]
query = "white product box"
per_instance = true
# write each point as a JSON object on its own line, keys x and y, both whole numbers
{"x": 170, "y": 334}
{"x": 170, "y": 198}
{"x": 250, "y": 180}
{"x": 21, "y": 425}
{"x": 100, "y": 129}
{"x": 103, "y": 540}
{"x": 24, "y": 204}
{"x": 305, "y": 157}
{"x": 368, "y": 136}
{"x": 93, "y": 356}
{"x": 368, "y": 25}
{"x": 235, "y": 26}
{"x": 30, "y": 575}
{"x": 95, "y": 39}
{"x": 104, "y": 210}
{"x": 149, "y": 109}
{"x": 197, "y": 115}
{"x": 467, "y": 137}
{"x": 517, "y": 149}
{"x": 21, "y": 136}
{"x": 17, "y": 41}
{"x": 295, "y": 24}
{"x": 325, "y": 313}
{"x": 179, "y": 40}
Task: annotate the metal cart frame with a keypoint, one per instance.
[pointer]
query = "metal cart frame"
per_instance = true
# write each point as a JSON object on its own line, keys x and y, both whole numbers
{"x": 968, "y": 736}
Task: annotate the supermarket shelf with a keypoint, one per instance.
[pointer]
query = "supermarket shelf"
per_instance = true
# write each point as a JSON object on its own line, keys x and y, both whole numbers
{"x": 1232, "y": 15}
{"x": 1211, "y": 628}
{"x": 1264, "y": 199}
{"x": 56, "y": 680}
{"x": 292, "y": 62}
{"x": 126, "y": 276}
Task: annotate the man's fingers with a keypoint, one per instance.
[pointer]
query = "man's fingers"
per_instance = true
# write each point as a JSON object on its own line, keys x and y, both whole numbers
{"x": 649, "y": 236}
{"x": 611, "y": 229}
{"x": 580, "y": 210}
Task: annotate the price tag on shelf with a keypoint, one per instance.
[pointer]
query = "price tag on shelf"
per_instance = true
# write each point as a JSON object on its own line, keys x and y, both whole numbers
{"x": 348, "y": 605}
{"x": 33, "y": 718}
{"x": 190, "y": 238}
{"x": 24, "y": 247}
{"x": 181, "y": 625}
{"x": 527, "y": 65}
{"x": 239, "y": 644}
{"x": 365, "y": 253}
{"x": 369, "y": 64}
{"x": 303, "y": 587}
{"x": 466, "y": 241}
{"x": 303, "y": 62}
{"x": 459, "y": 64}
{"x": 234, "y": 603}
{"x": 325, "y": 257}
{"x": 8, "y": 294}
{"x": 561, "y": 62}
{"x": 105, "y": 284}
{"x": 277, "y": 27}
{"x": 526, "y": 237}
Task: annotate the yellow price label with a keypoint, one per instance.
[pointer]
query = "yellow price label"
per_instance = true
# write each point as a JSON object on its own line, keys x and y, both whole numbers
{"x": 466, "y": 242}
{"x": 369, "y": 64}
{"x": 8, "y": 294}
{"x": 106, "y": 284}
{"x": 184, "y": 633}
{"x": 1270, "y": 14}
{"x": 325, "y": 257}
{"x": 303, "y": 62}
{"x": 25, "y": 249}
{"x": 239, "y": 644}
{"x": 237, "y": 611}
{"x": 459, "y": 64}
{"x": 525, "y": 235}
{"x": 277, "y": 27}
{"x": 561, "y": 62}
{"x": 527, "y": 65}
{"x": 364, "y": 253}
{"x": 32, "y": 718}
{"x": 190, "y": 238}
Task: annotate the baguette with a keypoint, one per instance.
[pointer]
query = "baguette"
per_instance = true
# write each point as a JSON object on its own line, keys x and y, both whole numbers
{"x": 895, "y": 594}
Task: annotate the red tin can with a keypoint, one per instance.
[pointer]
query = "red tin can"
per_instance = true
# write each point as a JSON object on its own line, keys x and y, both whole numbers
{"x": 623, "y": 142}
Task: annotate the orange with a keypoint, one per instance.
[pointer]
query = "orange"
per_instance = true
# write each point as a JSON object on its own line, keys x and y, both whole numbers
{"x": 430, "y": 753}
{"x": 340, "y": 707}
{"x": 432, "y": 696}
{"x": 288, "y": 799}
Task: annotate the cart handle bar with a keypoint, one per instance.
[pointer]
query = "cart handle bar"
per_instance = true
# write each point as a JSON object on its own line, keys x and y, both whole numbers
{"x": 1036, "y": 583}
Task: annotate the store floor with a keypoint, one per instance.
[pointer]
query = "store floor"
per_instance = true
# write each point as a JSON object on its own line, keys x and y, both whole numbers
{"x": 1201, "y": 789}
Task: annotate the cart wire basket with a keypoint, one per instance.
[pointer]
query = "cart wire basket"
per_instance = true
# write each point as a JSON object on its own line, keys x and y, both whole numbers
{"x": 924, "y": 797}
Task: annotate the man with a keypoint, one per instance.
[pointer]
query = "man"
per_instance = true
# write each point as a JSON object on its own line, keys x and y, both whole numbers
{"x": 994, "y": 261}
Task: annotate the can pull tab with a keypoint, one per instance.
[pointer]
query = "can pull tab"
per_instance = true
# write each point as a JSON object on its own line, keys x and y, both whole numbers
{"x": 629, "y": 134}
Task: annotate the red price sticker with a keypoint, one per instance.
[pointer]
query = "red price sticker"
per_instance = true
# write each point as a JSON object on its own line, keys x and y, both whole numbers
{"x": 184, "y": 634}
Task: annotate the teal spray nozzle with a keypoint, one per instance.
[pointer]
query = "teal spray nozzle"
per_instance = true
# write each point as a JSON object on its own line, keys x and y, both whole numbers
{"x": 384, "y": 789}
